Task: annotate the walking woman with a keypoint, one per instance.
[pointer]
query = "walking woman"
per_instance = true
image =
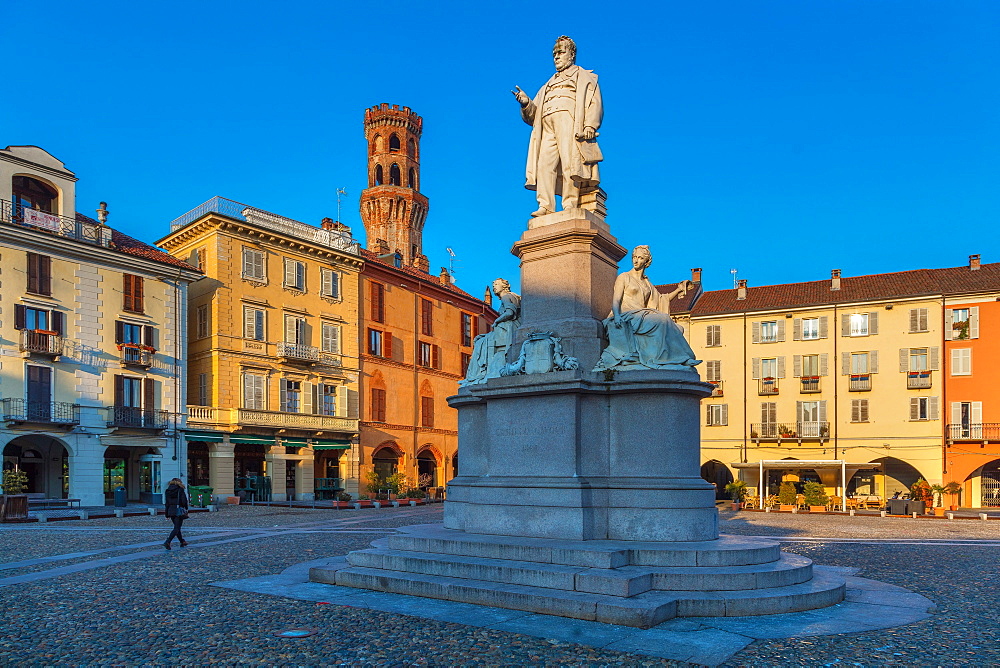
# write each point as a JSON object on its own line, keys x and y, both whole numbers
{"x": 176, "y": 500}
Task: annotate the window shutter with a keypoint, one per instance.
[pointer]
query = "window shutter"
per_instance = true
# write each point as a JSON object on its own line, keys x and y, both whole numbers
{"x": 873, "y": 362}
{"x": 948, "y": 320}
{"x": 845, "y": 325}
{"x": 44, "y": 274}
{"x": 33, "y": 272}
{"x": 756, "y": 368}
{"x": 956, "y": 412}
{"x": 798, "y": 412}
{"x": 249, "y": 323}
{"x": 300, "y": 275}
{"x": 974, "y": 322}
{"x": 19, "y": 316}
{"x": 855, "y": 410}
{"x": 922, "y": 320}
{"x": 935, "y": 358}
{"x": 914, "y": 408}
{"x": 127, "y": 302}
{"x": 119, "y": 390}
{"x": 290, "y": 330}
{"x": 822, "y": 411}
{"x": 247, "y": 263}
{"x": 873, "y": 323}
{"x": 148, "y": 394}
{"x": 977, "y": 412}
{"x": 914, "y": 320}
{"x": 708, "y": 336}
{"x": 755, "y": 332}
{"x": 781, "y": 366}
{"x": 436, "y": 357}
{"x": 289, "y": 272}
{"x": 334, "y": 284}
{"x": 863, "y": 409}
{"x": 57, "y": 320}
{"x": 796, "y": 366}
{"x": 708, "y": 414}
{"x": 845, "y": 363}
{"x": 308, "y": 398}
{"x": 283, "y": 394}
{"x": 725, "y": 415}
{"x": 326, "y": 282}
{"x": 387, "y": 345}
{"x": 904, "y": 360}
{"x": 149, "y": 336}
{"x": 824, "y": 327}
{"x": 781, "y": 330}
{"x": 824, "y": 364}
{"x": 933, "y": 412}
{"x": 797, "y": 329}
{"x": 352, "y": 404}
{"x": 119, "y": 331}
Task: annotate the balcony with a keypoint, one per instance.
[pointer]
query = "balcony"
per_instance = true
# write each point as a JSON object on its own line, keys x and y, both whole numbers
{"x": 297, "y": 352}
{"x": 135, "y": 355}
{"x": 41, "y": 342}
{"x": 918, "y": 380}
{"x": 43, "y": 412}
{"x": 248, "y": 416}
{"x": 137, "y": 418}
{"x": 860, "y": 382}
{"x": 716, "y": 388}
{"x": 768, "y": 386}
{"x": 974, "y": 431}
{"x": 809, "y": 384}
{"x": 63, "y": 226}
{"x": 790, "y": 431}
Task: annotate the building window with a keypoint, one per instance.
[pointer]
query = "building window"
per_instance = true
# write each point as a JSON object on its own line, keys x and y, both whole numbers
{"x": 331, "y": 338}
{"x": 466, "y": 359}
{"x": 859, "y": 324}
{"x": 859, "y": 364}
{"x": 33, "y": 194}
{"x": 377, "y": 412}
{"x": 32, "y": 319}
{"x": 394, "y": 143}
{"x": 291, "y": 396}
{"x": 203, "y": 390}
{"x": 769, "y": 368}
{"x": 964, "y": 323}
{"x": 330, "y": 283}
{"x": 713, "y": 336}
{"x": 466, "y": 329}
{"x": 923, "y": 408}
{"x": 769, "y": 332}
{"x": 426, "y": 317}
{"x": 411, "y": 178}
{"x": 255, "y": 391}
{"x": 411, "y": 147}
{"x": 966, "y": 419}
{"x": 377, "y": 296}
{"x": 425, "y": 354}
{"x": 295, "y": 275}
{"x": 328, "y": 399}
{"x": 918, "y": 320}
{"x": 200, "y": 260}
{"x": 379, "y": 343}
{"x": 713, "y": 371}
{"x": 253, "y": 323}
{"x": 253, "y": 265}
{"x": 427, "y": 412}
{"x": 717, "y": 415}
{"x": 39, "y": 274}
{"x": 810, "y": 329}
{"x": 961, "y": 362}
{"x": 201, "y": 321}
{"x": 395, "y": 178}
{"x": 132, "y": 290}
{"x": 918, "y": 359}
{"x": 296, "y": 330}
{"x": 379, "y": 175}
{"x": 859, "y": 410}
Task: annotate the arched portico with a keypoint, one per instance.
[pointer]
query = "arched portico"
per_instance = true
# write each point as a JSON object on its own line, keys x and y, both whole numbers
{"x": 44, "y": 459}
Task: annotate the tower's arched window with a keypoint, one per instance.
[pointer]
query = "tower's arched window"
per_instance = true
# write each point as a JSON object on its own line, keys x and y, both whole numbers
{"x": 411, "y": 148}
{"x": 411, "y": 178}
{"x": 376, "y": 144}
{"x": 394, "y": 177}
{"x": 379, "y": 178}
{"x": 35, "y": 194}
{"x": 393, "y": 143}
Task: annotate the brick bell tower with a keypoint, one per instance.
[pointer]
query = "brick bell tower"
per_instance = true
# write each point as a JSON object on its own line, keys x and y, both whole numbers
{"x": 392, "y": 208}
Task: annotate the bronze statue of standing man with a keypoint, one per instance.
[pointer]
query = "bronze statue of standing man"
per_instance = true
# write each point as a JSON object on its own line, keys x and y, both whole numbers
{"x": 564, "y": 117}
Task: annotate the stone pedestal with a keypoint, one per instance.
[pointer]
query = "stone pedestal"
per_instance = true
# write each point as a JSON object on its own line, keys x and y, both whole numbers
{"x": 574, "y": 455}
{"x": 569, "y": 261}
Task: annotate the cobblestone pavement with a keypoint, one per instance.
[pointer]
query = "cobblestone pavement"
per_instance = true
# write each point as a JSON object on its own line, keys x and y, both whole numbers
{"x": 105, "y": 592}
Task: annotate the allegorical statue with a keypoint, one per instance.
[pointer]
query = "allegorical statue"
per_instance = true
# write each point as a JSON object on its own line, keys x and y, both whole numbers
{"x": 564, "y": 118}
{"x": 641, "y": 333}
{"x": 489, "y": 351}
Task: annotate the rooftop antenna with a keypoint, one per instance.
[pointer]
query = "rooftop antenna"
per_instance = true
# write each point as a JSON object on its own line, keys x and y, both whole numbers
{"x": 733, "y": 272}
{"x": 451, "y": 262}
{"x": 340, "y": 191}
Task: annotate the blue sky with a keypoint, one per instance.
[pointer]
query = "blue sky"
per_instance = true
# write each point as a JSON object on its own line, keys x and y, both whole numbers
{"x": 780, "y": 138}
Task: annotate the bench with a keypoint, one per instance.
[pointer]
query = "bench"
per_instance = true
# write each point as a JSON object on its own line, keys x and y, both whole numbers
{"x": 45, "y": 504}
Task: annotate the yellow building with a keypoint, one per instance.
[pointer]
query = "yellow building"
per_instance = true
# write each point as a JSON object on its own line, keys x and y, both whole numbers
{"x": 848, "y": 369}
{"x": 92, "y": 330}
{"x": 273, "y": 352}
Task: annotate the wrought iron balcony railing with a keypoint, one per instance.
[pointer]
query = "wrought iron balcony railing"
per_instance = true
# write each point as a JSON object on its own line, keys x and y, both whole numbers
{"x": 261, "y": 418}
{"x": 42, "y": 342}
{"x": 46, "y": 412}
{"x": 810, "y": 384}
{"x": 139, "y": 356}
{"x": 768, "y": 386}
{"x": 918, "y": 380}
{"x": 139, "y": 418}
{"x": 860, "y": 382}
{"x": 776, "y": 431}
{"x": 64, "y": 226}
{"x": 974, "y": 431}
{"x": 298, "y": 352}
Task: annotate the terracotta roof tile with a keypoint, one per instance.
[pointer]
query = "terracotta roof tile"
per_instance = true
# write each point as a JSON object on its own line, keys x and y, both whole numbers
{"x": 369, "y": 256}
{"x": 898, "y": 285}
{"x": 681, "y": 304}
{"x": 127, "y": 244}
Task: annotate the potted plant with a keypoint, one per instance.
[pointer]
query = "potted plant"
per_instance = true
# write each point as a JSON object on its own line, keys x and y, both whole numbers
{"x": 737, "y": 489}
{"x": 786, "y": 496}
{"x": 816, "y": 497}
{"x": 938, "y": 493}
{"x": 952, "y": 489}
{"x": 15, "y": 501}
{"x": 921, "y": 491}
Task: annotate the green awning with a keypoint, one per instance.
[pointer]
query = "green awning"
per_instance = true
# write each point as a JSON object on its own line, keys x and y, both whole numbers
{"x": 251, "y": 440}
{"x": 294, "y": 442}
{"x": 204, "y": 436}
{"x": 216, "y": 437}
{"x": 330, "y": 444}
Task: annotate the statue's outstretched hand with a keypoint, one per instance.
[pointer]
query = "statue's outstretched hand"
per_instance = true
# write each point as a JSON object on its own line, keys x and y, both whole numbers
{"x": 522, "y": 97}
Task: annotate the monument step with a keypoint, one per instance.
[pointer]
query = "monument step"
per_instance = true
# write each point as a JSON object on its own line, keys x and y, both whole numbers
{"x": 725, "y": 551}
{"x": 788, "y": 570}
{"x": 824, "y": 589}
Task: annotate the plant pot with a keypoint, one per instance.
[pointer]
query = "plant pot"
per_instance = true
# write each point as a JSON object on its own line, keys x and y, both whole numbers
{"x": 939, "y": 512}
{"x": 737, "y": 505}
{"x": 952, "y": 508}
{"x": 785, "y": 508}
{"x": 817, "y": 509}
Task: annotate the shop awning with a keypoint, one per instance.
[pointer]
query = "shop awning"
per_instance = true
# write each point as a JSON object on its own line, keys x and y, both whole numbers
{"x": 294, "y": 442}
{"x": 204, "y": 436}
{"x": 331, "y": 444}
{"x": 216, "y": 437}
{"x": 251, "y": 440}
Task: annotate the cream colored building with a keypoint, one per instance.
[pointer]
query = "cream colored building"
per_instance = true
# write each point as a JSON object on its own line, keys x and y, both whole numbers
{"x": 273, "y": 352}
{"x": 92, "y": 331}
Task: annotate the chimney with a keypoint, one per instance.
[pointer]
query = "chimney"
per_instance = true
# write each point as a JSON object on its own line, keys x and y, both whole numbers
{"x": 445, "y": 276}
{"x": 974, "y": 262}
{"x": 381, "y": 247}
{"x": 835, "y": 279}
{"x": 422, "y": 263}
{"x": 327, "y": 224}
{"x": 696, "y": 275}
{"x": 741, "y": 288}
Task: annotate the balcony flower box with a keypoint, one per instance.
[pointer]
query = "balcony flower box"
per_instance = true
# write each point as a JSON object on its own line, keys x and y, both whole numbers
{"x": 47, "y": 332}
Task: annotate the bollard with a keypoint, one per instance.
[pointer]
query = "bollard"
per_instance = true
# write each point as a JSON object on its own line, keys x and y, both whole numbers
{"x": 983, "y": 516}
{"x": 883, "y": 513}
{"x": 795, "y": 509}
{"x": 152, "y": 511}
{"x": 768, "y": 509}
{"x": 395, "y": 504}
{"x": 852, "y": 512}
{"x": 376, "y": 504}
{"x": 213, "y": 508}
{"x": 413, "y": 502}
{"x": 43, "y": 518}
{"x": 357, "y": 506}
{"x": 119, "y": 512}
{"x": 950, "y": 516}
{"x": 84, "y": 515}
{"x": 914, "y": 515}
